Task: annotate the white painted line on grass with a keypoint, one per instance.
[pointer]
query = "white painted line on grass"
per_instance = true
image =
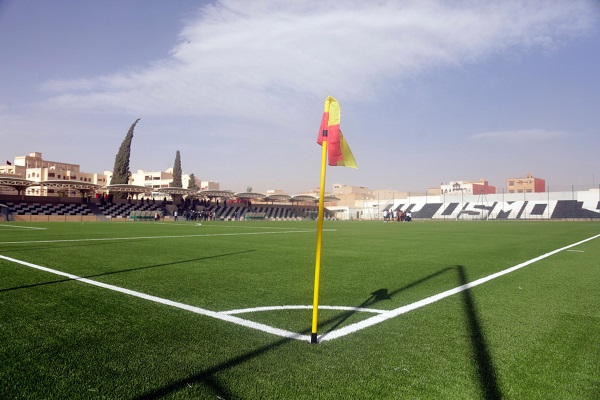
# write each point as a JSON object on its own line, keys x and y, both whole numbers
{"x": 279, "y": 308}
{"x": 432, "y": 299}
{"x": 23, "y": 227}
{"x": 196, "y": 310}
{"x": 211, "y": 224}
{"x": 382, "y": 316}
{"x": 157, "y": 237}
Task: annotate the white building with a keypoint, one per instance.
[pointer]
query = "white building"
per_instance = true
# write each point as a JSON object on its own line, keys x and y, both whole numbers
{"x": 34, "y": 168}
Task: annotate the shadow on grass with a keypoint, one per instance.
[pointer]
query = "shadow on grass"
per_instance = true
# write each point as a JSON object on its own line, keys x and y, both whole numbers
{"x": 208, "y": 378}
{"x": 126, "y": 270}
{"x": 485, "y": 368}
{"x": 383, "y": 294}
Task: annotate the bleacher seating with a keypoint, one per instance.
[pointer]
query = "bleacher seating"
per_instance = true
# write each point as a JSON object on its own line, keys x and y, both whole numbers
{"x": 145, "y": 215}
{"x": 566, "y": 209}
{"x": 538, "y": 209}
{"x": 49, "y": 209}
{"x": 122, "y": 210}
{"x": 255, "y": 215}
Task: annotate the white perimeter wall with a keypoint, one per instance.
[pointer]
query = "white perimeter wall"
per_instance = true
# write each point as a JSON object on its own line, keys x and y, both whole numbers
{"x": 517, "y": 205}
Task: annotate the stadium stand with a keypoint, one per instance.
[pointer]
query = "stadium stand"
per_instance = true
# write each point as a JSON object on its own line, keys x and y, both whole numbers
{"x": 123, "y": 210}
{"x": 73, "y": 209}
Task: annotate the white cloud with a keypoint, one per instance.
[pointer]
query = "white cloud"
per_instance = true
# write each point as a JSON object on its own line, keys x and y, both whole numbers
{"x": 518, "y": 135}
{"x": 247, "y": 59}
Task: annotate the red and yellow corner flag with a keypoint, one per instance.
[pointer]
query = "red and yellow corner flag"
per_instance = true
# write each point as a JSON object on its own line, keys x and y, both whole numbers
{"x": 338, "y": 151}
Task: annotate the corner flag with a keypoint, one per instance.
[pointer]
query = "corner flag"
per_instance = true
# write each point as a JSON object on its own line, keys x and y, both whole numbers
{"x": 339, "y": 155}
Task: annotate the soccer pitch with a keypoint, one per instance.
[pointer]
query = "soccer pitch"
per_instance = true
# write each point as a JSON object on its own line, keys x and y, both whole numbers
{"x": 420, "y": 310}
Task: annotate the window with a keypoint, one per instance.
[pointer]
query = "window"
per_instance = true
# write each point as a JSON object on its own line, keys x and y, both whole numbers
{"x": 51, "y": 174}
{"x": 511, "y": 183}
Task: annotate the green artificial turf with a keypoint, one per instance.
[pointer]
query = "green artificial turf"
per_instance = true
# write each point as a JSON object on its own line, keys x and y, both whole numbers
{"x": 529, "y": 334}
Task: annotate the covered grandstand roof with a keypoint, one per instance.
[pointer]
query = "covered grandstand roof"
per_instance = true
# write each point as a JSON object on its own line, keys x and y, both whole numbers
{"x": 15, "y": 181}
{"x": 82, "y": 186}
{"x": 127, "y": 188}
{"x": 175, "y": 190}
{"x": 304, "y": 197}
{"x": 249, "y": 195}
{"x": 216, "y": 193}
{"x": 278, "y": 197}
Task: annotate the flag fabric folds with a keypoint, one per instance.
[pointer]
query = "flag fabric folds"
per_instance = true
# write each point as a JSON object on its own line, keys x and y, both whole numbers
{"x": 8, "y": 162}
{"x": 338, "y": 151}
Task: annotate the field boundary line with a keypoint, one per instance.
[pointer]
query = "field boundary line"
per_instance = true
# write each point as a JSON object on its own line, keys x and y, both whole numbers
{"x": 160, "y": 300}
{"x": 158, "y": 237}
{"x": 16, "y": 227}
{"x": 193, "y": 224}
{"x": 383, "y": 315}
{"x": 432, "y": 299}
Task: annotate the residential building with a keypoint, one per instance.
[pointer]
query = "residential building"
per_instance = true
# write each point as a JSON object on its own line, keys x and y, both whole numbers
{"x": 33, "y": 167}
{"x": 529, "y": 184}
{"x": 465, "y": 187}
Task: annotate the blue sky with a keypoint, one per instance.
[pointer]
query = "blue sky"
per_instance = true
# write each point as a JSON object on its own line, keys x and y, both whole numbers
{"x": 430, "y": 91}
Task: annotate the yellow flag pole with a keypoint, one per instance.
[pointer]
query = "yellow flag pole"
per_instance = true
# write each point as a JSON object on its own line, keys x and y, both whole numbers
{"x": 315, "y": 315}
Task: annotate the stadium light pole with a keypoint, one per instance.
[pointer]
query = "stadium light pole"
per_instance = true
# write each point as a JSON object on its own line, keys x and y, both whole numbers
{"x": 524, "y": 201}
{"x": 548, "y": 189}
{"x": 573, "y": 201}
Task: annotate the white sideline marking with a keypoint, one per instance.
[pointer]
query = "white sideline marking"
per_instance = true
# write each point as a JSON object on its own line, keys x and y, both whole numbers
{"x": 197, "y": 310}
{"x": 22, "y": 227}
{"x": 193, "y": 224}
{"x": 228, "y": 315}
{"x": 432, "y": 299}
{"x": 156, "y": 237}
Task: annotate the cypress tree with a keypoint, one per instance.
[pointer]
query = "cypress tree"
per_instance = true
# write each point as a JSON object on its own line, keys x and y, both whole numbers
{"x": 177, "y": 171}
{"x": 192, "y": 184}
{"x": 176, "y": 182}
{"x": 121, "y": 169}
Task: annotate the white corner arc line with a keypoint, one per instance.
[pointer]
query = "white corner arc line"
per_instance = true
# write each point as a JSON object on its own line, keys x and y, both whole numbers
{"x": 197, "y": 310}
{"x": 290, "y": 307}
{"x": 432, "y": 299}
{"x": 227, "y": 315}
